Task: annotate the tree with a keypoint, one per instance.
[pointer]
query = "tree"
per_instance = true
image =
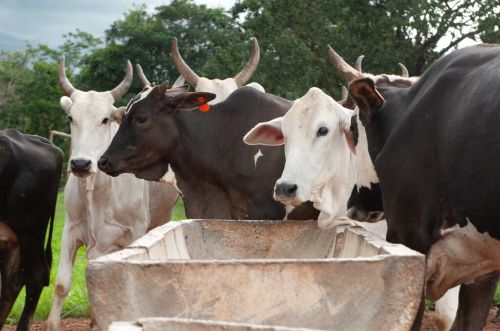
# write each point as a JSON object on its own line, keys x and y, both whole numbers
{"x": 30, "y": 92}
{"x": 294, "y": 35}
{"x": 210, "y": 41}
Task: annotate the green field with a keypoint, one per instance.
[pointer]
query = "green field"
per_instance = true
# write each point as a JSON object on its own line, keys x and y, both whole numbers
{"x": 76, "y": 304}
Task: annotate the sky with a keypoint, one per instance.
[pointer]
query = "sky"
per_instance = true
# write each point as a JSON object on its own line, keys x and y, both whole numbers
{"x": 45, "y": 21}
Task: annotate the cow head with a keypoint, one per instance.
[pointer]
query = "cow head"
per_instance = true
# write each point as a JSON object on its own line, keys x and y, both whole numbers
{"x": 319, "y": 147}
{"x": 135, "y": 147}
{"x": 93, "y": 120}
{"x": 221, "y": 87}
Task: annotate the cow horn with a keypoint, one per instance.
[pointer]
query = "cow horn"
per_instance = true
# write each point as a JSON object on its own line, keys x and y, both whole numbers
{"x": 122, "y": 88}
{"x": 189, "y": 75}
{"x": 63, "y": 80}
{"x": 358, "y": 63}
{"x": 247, "y": 72}
{"x": 343, "y": 68}
{"x": 404, "y": 71}
{"x": 345, "y": 93}
{"x": 142, "y": 78}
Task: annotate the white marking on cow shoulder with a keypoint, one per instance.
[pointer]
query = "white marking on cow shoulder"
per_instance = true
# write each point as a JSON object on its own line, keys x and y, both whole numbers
{"x": 460, "y": 256}
{"x": 256, "y": 157}
{"x": 365, "y": 170}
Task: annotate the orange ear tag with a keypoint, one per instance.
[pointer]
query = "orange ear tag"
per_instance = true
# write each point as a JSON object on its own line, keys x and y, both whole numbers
{"x": 204, "y": 108}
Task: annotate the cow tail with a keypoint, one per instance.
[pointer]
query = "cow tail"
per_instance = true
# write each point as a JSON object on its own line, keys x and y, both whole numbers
{"x": 48, "y": 247}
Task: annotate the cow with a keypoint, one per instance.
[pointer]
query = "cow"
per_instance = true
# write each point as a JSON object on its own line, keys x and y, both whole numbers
{"x": 222, "y": 88}
{"x": 219, "y": 176}
{"x": 103, "y": 213}
{"x": 365, "y": 203}
{"x": 440, "y": 133}
{"x": 30, "y": 170}
{"x": 314, "y": 161}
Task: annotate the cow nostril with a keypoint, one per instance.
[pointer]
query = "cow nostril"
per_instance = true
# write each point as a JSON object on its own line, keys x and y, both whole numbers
{"x": 80, "y": 165}
{"x": 103, "y": 161}
{"x": 284, "y": 189}
{"x": 290, "y": 191}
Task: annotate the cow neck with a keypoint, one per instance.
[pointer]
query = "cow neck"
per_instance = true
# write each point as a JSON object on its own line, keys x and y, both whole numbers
{"x": 199, "y": 150}
{"x": 384, "y": 120}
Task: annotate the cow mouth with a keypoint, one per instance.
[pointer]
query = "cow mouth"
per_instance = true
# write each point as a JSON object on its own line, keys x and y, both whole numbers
{"x": 152, "y": 173}
{"x": 287, "y": 201}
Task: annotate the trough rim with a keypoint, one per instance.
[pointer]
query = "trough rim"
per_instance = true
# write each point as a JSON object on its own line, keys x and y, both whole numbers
{"x": 392, "y": 250}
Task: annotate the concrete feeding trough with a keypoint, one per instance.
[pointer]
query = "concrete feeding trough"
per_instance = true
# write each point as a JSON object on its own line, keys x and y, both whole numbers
{"x": 256, "y": 275}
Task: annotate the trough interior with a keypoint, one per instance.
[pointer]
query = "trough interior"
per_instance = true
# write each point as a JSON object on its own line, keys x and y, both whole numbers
{"x": 233, "y": 240}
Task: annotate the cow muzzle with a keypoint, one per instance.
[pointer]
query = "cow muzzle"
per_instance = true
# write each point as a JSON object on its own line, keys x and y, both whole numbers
{"x": 80, "y": 167}
{"x": 286, "y": 193}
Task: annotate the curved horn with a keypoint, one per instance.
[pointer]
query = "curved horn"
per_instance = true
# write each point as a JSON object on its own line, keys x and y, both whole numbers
{"x": 343, "y": 68}
{"x": 358, "y": 63}
{"x": 404, "y": 71}
{"x": 345, "y": 93}
{"x": 142, "y": 78}
{"x": 247, "y": 72}
{"x": 189, "y": 75}
{"x": 63, "y": 80}
{"x": 122, "y": 88}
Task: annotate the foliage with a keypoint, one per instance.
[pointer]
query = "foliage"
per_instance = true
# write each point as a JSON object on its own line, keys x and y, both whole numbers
{"x": 209, "y": 40}
{"x": 30, "y": 91}
{"x": 294, "y": 35}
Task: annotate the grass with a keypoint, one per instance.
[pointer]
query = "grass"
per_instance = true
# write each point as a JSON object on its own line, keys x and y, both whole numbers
{"x": 76, "y": 303}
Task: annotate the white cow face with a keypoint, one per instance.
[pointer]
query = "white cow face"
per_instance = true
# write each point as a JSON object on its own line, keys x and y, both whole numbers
{"x": 318, "y": 148}
{"x": 222, "y": 88}
{"x": 93, "y": 122}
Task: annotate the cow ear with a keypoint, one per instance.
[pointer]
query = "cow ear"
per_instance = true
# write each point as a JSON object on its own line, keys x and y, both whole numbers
{"x": 160, "y": 90}
{"x": 366, "y": 96}
{"x": 266, "y": 133}
{"x": 118, "y": 114}
{"x": 66, "y": 103}
{"x": 193, "y": 100}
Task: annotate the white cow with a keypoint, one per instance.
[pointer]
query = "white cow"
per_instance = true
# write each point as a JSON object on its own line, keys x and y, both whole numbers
{"x": 319, "y": 151}
{"x": 222, "y": 88}
{"x": 103, "y": 213}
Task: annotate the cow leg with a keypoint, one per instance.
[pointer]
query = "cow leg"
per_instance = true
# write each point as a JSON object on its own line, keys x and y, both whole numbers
{"x": 446, "y": 309}
{"x": 475, "y": 303}
{"x": 69, "y": 247}
{"x": 12, "y": 280}
{"x": 37, "y": 275}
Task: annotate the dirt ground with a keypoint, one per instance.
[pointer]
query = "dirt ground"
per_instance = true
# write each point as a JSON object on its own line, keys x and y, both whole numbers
{"x": 68, "y": 324}
{"x": 83, "y": 324}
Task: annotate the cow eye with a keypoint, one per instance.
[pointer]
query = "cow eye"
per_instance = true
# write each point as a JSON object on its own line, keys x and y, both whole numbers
{"x": 141, "y": 119}
{"x": 323, "y": 131}
{"x": 104, "y": 121}
{"x": 70, "y": 119}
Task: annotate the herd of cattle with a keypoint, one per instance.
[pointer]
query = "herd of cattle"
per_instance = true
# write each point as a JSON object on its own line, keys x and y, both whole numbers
{"x": 421, "y": 151}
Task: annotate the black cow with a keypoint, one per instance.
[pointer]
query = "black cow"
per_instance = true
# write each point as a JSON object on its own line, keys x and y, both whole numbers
{"x": 30, "y": 170}
{"x": 220, "y": 176}
{"x": 435, "y": 148}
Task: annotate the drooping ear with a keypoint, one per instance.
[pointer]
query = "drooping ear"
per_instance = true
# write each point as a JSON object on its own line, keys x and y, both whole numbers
{"x": 266, "y": 133}
{"x": 66, "y": 103}
{"x": 366, "y": 96}
{"x": 345, "y": 123}
{"x": 118, "y": 114}
{"x": 192, "y": 100}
